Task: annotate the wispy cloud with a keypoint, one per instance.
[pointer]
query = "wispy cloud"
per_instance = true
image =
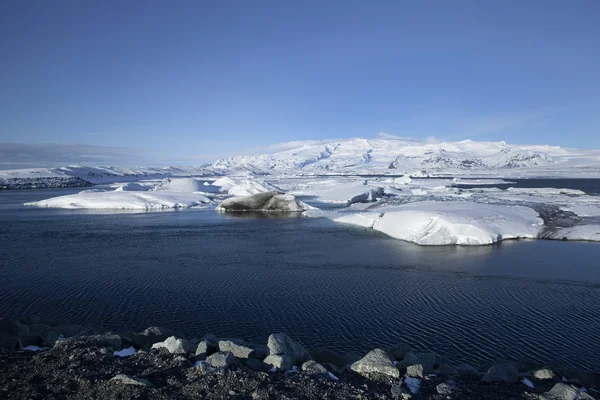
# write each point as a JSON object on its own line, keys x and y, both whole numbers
{"x": 20, "y": 155}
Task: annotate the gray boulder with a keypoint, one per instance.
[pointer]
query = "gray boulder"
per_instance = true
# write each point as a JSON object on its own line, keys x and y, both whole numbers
{"x": 504, "y": 372}
{"x": 563, "y": 391}
{"x": 145, "y": 339}
{"x": 376, "y": 362}
{"x": 314, "y": 368}
{"x": 241, "y": 349}
{"x": 409, "y": 359}
{"x": 175, "y": 345}
{"x": 446, "y": 388}
{"x": 284, "y": 362}
{"x": 415, "y": 371}
{"x": 130, "y": 380}
{"x": 221, "y": 359}
{"x": 37, "y": 335}
{"x": 543, "y": 374}
{"x": 205, "y": 348}
{"x": 280, "y": 344}
{"x": 399, "y": 350}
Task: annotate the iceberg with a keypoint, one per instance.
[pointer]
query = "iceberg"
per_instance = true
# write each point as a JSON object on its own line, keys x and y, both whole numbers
{"x": 269, "y": 201}
{"x": 589, "y": 233}
{"x": 452, "y": 222}
{"x": 242, "y": 187}
{"x": 342, "y": 192}
{"x": 188, "y": 185}
{"x": 132, "y": 187}
{"x": 123, "y": 200}
{"x": 545, "y": 191}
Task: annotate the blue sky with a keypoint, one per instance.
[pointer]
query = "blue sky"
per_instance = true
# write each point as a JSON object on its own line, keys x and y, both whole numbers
{"x": 190, "y": 81}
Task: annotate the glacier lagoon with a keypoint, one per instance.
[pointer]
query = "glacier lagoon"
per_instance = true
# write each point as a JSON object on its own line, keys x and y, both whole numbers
{"x": 327, "y": 284}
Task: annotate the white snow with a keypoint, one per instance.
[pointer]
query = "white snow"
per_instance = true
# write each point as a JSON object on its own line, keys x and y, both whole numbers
{"x": 34, "y": 348}
{"x": 419, "y": 192}
{"x": 129, "y": 351}
{"x": 413, "y": 384}
{"x": 477, "y": 182}
{"x": 581, "y": 232}
{"x": 124, "y": 200}
{"x": 132, "y": 187}
{"x": 341, "y": 191}
{"x": 188, "y": 185}
{"x": 455, "y": 222}
{"x": 528, "y": 383}
{"x": 242, "y": 186}
{"x": 365, "y": 220}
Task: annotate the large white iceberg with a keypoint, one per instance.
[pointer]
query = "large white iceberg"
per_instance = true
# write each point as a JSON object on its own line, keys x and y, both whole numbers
{"x": 123, "y": 200}
{"x": 269, "y": 201}
{"x": 452, "y": 222}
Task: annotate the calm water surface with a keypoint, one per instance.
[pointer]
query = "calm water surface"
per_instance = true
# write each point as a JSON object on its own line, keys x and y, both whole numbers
{"x": 345, "y": 288}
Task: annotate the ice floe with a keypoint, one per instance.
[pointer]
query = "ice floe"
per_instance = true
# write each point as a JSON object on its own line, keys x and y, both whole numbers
{"x": 124, "y": 200}
{"x": 581, "y": 232}
{"x": 454, "y": 222}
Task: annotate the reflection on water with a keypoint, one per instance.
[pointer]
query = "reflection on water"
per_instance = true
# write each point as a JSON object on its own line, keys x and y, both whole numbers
{"x": 259, "y": 214}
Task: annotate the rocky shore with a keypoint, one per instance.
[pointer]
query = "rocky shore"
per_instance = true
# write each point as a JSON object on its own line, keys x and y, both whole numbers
{"x": 42, "y": 183}
{"x": 47, "y": 360}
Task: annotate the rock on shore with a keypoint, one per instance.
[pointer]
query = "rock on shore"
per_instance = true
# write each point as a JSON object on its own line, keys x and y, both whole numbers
{"x": 87, "y": 364}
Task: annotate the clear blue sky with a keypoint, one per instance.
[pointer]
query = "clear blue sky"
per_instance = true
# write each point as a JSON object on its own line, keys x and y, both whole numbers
{"x": 201, "y": 77}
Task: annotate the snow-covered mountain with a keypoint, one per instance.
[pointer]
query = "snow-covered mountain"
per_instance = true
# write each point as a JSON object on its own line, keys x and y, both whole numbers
{"x": 383, "y": 155}
{"x": 103, "y": 174}
{"x": 405, "y": 156}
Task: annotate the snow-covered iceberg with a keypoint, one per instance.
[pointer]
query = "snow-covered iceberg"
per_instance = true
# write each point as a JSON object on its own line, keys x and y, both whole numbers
{"x": 188, "y": 185}
{"x": 242, "y": 187}
{"x": 132, "y": 187}
{"x": 452, "y": 222}
{"x": 269, "y": 201}
{"x": 123, "y": 200}
{"x": 589, "y": 233}
{"x": 334, "y": 191}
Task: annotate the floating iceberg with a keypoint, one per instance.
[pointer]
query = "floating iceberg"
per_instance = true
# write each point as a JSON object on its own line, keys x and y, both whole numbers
{"x": 342, "y": 192}
{"x": 188, "y": 185}
{"x": 124, "y": 200}
{"x": 545, "y": 191}
{"x": 452, "y": 222}
{"x": 581, "y": 232}
{"x": 269, "y": 201}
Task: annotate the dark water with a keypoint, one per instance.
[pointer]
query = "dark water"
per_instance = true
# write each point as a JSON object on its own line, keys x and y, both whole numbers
{"x": 345, "y": 288}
